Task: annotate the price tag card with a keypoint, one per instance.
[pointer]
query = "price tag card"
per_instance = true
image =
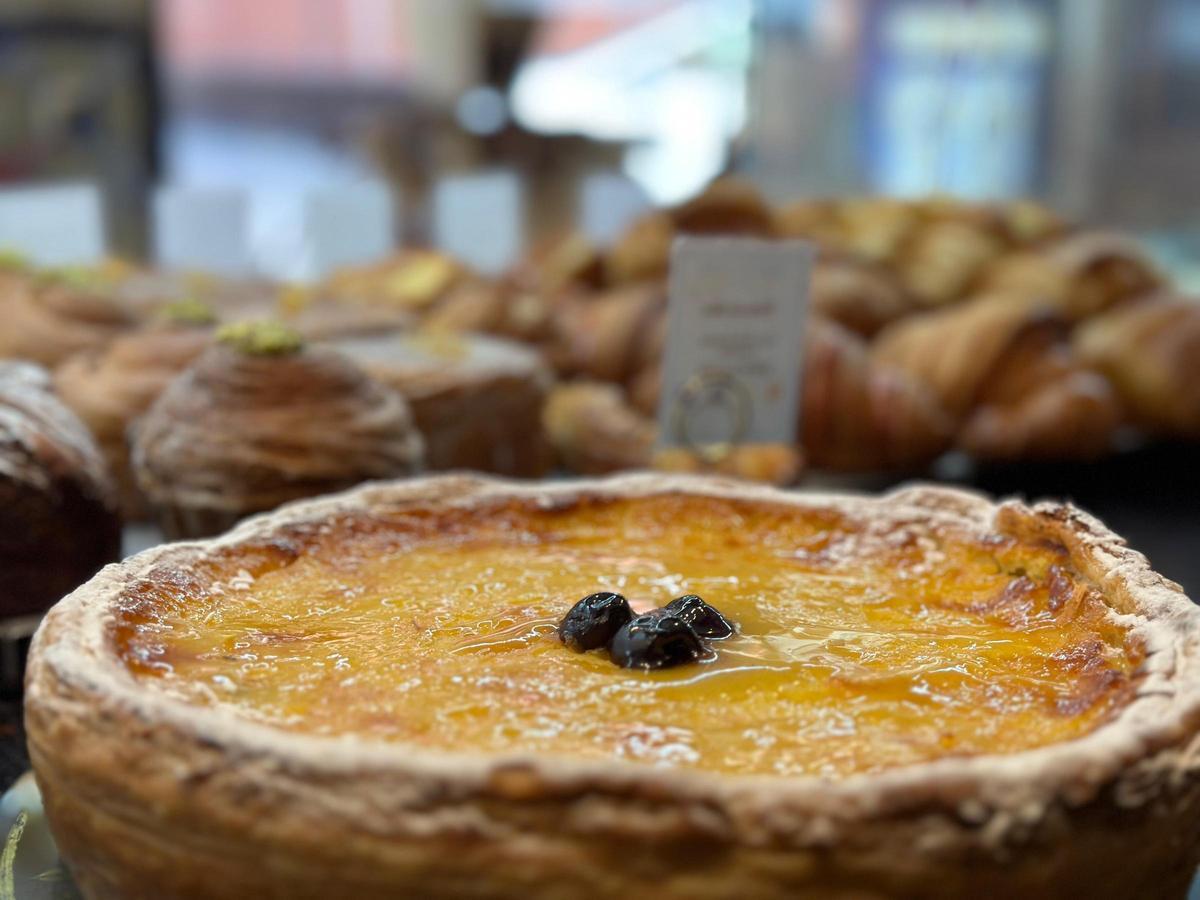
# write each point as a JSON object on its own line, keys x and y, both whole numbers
{"x": 608, "y": 204}
{"x": 53, "y": 225}
{"x": 735, "y": 320}
{"x": 202, "y": 229}
{"x": 479, "y": 219}
{"x": 349, "y": 225}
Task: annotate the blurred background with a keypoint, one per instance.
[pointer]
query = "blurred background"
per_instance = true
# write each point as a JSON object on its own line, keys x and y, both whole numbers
{"x": 585, "y": 111}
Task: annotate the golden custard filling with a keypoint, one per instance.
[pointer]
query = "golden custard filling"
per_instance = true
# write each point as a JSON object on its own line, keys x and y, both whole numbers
{"x": 862, "y": 645}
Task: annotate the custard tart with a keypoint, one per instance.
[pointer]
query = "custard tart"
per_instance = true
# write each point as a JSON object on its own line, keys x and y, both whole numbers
{"x": 919, "y": 695}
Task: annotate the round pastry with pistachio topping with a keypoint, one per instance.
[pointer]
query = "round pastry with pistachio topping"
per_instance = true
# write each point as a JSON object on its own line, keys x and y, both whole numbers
{"x": 260, "y": 419}
{"x": 398, "y": 692}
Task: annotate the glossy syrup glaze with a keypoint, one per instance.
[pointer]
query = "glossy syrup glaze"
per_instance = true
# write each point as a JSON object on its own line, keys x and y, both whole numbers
{"x": 863, "y": 645}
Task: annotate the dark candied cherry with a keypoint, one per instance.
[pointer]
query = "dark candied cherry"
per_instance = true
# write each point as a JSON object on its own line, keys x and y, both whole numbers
{"x": 592, "y": 622}
{"x": 705, "y": 620}
{"x": 657, "y": 641}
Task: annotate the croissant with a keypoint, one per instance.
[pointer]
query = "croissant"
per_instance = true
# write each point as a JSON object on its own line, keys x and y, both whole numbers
{"x": 955, "y": 351}
{"x": 1072, "y": 417}
{"x": 941, "y": 259}
{"x": 1002, "y": 367}
{"x": 1151, "y": 352}
{"x": 857, "y": 414}
{"x": 873, "y": 227}
{"x": 935, "y": 247}
{"x": 1080, "y": 274}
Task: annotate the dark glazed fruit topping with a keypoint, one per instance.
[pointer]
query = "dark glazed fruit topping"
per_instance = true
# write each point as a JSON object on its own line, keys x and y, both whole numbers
{"x": 670, "y": 636}
{"x": 594, "y": 620}
{"x": 657, "y": 641}
{"x": 705, "y": 620}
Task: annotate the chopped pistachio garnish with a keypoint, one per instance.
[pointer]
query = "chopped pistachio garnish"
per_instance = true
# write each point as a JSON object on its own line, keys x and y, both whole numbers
{"x": 263, "y": 338}
{"x": 188, "y": 311}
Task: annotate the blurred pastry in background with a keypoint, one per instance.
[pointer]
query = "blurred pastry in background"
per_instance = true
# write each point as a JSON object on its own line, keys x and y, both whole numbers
{"x": 941, "y": 259}
{"x": 610, "y": 336}
{"x": 1151, "y": 352}
{"x": 594, "y": 430}
{"x": 858, "y": 295}
{"x": 727, "y": 206}
{"x": 111, "y": 387}
{"x": 1080, "y": 274}
{"x": 642, "y": 252}
{"x": 503, "y": 308}
{"x": 1030, "y": 222}
{"x": 413, "y": 280}
{"x": 1006, "y": 359}
{"x": 317, "y": 316}
{"x": 260, "y": 419}
{"x": 58, "y": 511}
{"x": 51, "y": 315}
{"x": 476, "y": 400}
{"x": 857, "y": 414}
{"x": 559, "y": 263}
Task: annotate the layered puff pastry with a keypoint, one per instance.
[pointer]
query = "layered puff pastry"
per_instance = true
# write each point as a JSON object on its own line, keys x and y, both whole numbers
{"x": 260, "y": 419}
{"x": 476, "y": 400}
{"x": 58, "y": 510}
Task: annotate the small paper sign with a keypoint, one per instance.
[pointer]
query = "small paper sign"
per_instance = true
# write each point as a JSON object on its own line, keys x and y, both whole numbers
{"x": 202, "y": 229}
{"x": 53, "y": 225}
{"x": 735, "y": 321}
{"x": 479, "y": 219}
{"x": 608, "y": 203}
{"x": 349, "y": 225}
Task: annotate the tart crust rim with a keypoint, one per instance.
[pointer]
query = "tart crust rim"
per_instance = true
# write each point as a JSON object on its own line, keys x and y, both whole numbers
{"x": 74, "y": 674}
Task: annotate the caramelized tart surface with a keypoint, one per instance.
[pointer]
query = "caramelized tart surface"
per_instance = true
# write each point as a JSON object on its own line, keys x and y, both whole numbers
{"x": 864, "y": 644}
